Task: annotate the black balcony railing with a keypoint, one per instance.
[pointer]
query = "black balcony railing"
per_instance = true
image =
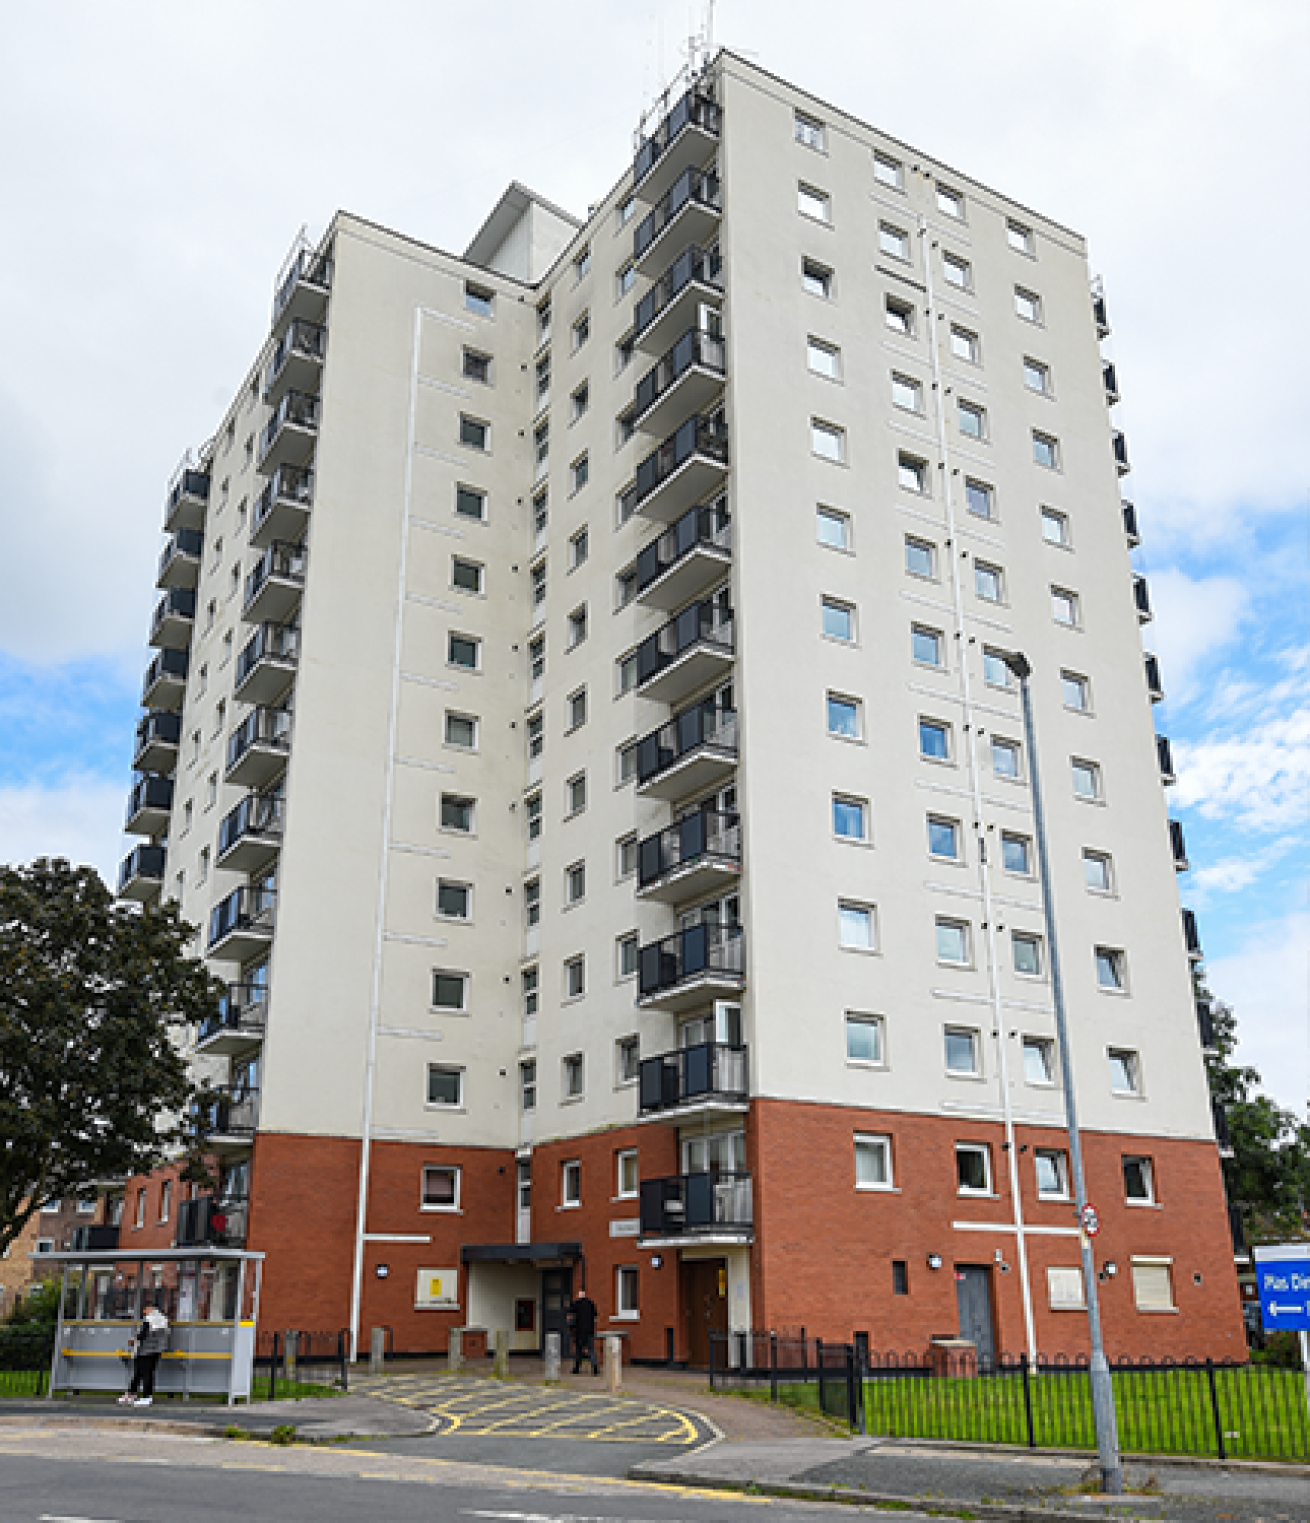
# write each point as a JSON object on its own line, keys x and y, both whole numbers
{"x": 159, "y": 729}
{"x": 170, "y": 662}
{"x": 696, "y": 1205}
{"x": 1191, "y": 935}
{"x": 703, "y": 623}
{"x": 249, "y": 908}
{"x": 1131, "y": 530}
{"x": 258, "y": 814}
{"x": 689, "y": 1075}
{"x": 270, "y": 642}
{"x": 1178, "y": 845}
{"x": 297, "y": 409}
{"x": 693, "y": 186}
{"x": 1222, "y": 1135}
{"x": 1141, "y": 596}
{"x": 1111, "y": 380}
{"x": 146, "y": 861}
{"x": 690, "y": 953}
{"x": 302, "y": 337}
{"x": 208, "y": 1219}
{"x": 1101, "y": 317}
{"x": 176, "y": 603}
{"x": 701, "y": 528}
{"x": 697, "y": 436}
{"x": 693, "y": 349}
{"x": 150, "y": 792}
{"x": 281, "y": 561}
{"x": 694, "y": 266}
{"x": 243, "y": 1010}
{"x": 1154, "y": 686}
{"x": 98, "y": 1238}
{"x": 1238, "y": 1233}
{"x": 183, "y": 542}
{"x": 704, "y": 725}
{"x": 187, "y": 483}
{"x": 307, "y": 268}
{"x": 1120, "y": 444}
{"x": 1205, "y": 1022}
{"x": 693, "y": 109}
{"x": 707, "y": 835}
{"x": 289, "y": 483}
{"x": 261, "y": 727}
{"x": 1164, "y": 754}
{"x": 235, "y": 1113}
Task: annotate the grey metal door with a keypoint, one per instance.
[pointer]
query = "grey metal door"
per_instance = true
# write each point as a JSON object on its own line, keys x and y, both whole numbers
{"x": 973, "y": 1297}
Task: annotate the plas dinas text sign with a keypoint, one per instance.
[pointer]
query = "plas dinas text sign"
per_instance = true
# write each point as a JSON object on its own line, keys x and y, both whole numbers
{"x": 1283, "y": 1275}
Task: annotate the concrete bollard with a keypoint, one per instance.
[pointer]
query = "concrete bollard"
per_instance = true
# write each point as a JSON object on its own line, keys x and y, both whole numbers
{"x": 500, "y": 1363}
{"x": 455, "y": 1351}
{"x": 613, "y": 1363}
{"x": 552, "y": 1356}
{"x": 292, "y": 1350}
{"x": 377, "y": 1350}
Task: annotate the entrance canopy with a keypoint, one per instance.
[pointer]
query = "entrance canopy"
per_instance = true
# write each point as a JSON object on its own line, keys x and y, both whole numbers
{"x": 539, "y": 1254}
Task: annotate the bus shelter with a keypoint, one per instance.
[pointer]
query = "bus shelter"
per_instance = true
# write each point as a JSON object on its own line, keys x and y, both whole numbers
{"x": 210, "y": 1296}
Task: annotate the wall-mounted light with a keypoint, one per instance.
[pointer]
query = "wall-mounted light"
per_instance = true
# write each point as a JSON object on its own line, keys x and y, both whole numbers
{"x": 934, "y": 1261}
{"x": 382, "y": 1271}
{"x": 1108, "y": 1270}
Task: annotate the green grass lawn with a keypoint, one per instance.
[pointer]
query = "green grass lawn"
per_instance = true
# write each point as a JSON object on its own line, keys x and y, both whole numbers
{"x": 23, "y": 1382}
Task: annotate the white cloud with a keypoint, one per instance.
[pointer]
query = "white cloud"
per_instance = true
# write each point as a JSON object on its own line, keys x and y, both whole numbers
{"x": 1194, "y": 618}
{"x": 77, "y": 817}
{"x": 1259, "y": 780}
{"x": 1267, "y": 982}
{"x": 1228, "y": 876}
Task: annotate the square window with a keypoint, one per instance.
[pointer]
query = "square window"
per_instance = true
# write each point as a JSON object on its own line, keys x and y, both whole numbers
{"x": 927, "y": 646}
{"x": 1153, "y": 1287}
{"x": 1055, "y": 527}
{"x": 1125, "y": 1071}
{"x": 856, "y": 926}
{"x": 907, "y": 393}
{"x": 445, "y": 1085}
{"x": 1028, "y": 305}
{"x": 865, "y": 1039}
{"x": 528, "y": 1085}
{"x": 462, "y": 731}
{"x": 850, "y": 820}
{"x": 627, "y": 1289}
{"x": 988, "y": 582}
{"x": 457, "y": 813}
{"x": 575, "y": 883}
{"x": 995, "y": 671}
{"x": 477, "y": 367}
{"x": 466, "y": 575}
{"x": 478, "y": 299}
{"x": 894, "y": 241}
{"x": 440, "y": 1189}
{"x": 834, "y": 529}
{"x": 843, "y": 717}
{"x": 1076, "y": 692}
{"x": 809, "y": 131}
{"x": 575, "y": 794}
{"x": 962, "y": 1052}
{"x": 920, "y": 557}
{"x": 912, "y": 474}
{"x": 1052, "y": 1169}
{"x": 450, "y": 990}
{"x": 1111, "y": 970}
{"x": 470, "y": 503}
{"x": 454, "y": 900}
{"x": 873, "y": 1163}
{"x": 628, "y": 950}
{"x": 570, "y": 1183}
{"x": 943, "y": 838}
{"x": 838, "y": 620}
{"x": 580, "y": 472}
{"x": 627, "y": 1062}
{"x": 888, "y": 171}
{"x": 462, "y": 650}
{"x": 957, "y": 272}
{"x": 1006, "y": 758}
{"x": 575, "y": 977}
{"x": 934, "y": 740}
{"x": 973, "y": 420}
{"x": 979, "y": 498}
{"x": 1139, "y": 1181}
{"x": 814, "y": 203}
{"x": 827, "y": 441}
{"x": 1036, "y": 376}
{"x": 950, "y": 202}
{"x": 573, "y": 1076}
{"x": 530, "y": 982}
{"x": 964, "y": 344}
{"x": 1027, "y": 952}
{"x": 973, "y": 1168}
{"x": 1097, "y": 872}
{"x": 953, "y": 942}
{"x": 823, "y": 359}
{"x": 899, "y": 317}
{"x": 474, "y": 432}
{"x": 816, "y": 279}
{"x": 1086, "y": 779}
{"x": 1019, "y": 237}
{"x": 1038, "y": 1060}
{"x": 1064, "y": 607}
{"x": 626, "y": 1176}
{"x": 577, "y": 709}
{"x": 1046, "y": 451}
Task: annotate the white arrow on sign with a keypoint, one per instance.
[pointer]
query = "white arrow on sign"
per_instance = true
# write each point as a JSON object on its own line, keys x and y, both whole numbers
{"x": 1279, "y": 1310}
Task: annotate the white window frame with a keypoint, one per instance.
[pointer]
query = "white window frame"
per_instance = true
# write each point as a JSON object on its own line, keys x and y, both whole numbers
{"x": 570, "y": 1184}
{"x": 465, "y": 982}
{"x": 823, "y": 433}
{"x": 949, "y": 922}
{"x": 973, "y": 1037}
{"x": 814, "y": 203}
{"x": 439, "y": 1168}
{"x": 627, "y": 1293}
{"x": 572, "y": 1078}
{"x": 894, "y": 242}
{"x": 626, "y": 1158}
{"x": 1058, "y": 1158}
{"x": 875, "y": 1145}
{"x": 981, "y": 1149}
{"x": 445, "y": 1105}
{"x": 1130, "y": 1061}
{"x": 852, "y": 912}
{"x": 876, "y": 1023}
{"x": 823, "y": 359}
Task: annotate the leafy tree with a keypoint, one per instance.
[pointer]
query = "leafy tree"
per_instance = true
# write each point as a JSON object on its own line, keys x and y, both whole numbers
{"x": 95, "y": 998}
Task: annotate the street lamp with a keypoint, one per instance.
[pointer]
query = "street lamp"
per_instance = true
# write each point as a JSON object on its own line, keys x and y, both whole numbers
{"x": 1107, "y": 1432}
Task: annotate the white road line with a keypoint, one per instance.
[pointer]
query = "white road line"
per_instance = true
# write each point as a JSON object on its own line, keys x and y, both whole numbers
{"x": 50, "y": 1517}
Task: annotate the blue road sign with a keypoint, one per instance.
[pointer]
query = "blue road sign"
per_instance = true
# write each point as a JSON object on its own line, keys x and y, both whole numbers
{"x": 1283, "y": 1274}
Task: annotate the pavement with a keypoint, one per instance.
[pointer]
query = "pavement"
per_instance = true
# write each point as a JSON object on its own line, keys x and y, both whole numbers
{"x": 669, "y": 1429}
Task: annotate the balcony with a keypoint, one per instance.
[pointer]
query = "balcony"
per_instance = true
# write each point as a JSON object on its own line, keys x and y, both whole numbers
{"x": 241, "y": 925}
{"x": 239, "y": 1025}
{"x": 1111, "y": 380}
{"x": 1164, "y": 754}
{"x": 149, "y": 806}
{"x": 691, "y": 967}
{"x": 179, "y": 564}
{"x": 99, "y": 1238}
{"x": 267, "y": 663}
{"x": 696, "y": 1208}
{"x": 258, "y": 748}
{"x": 164, "y": 683}
{"x": 689, "y": 652}
{"x": 1100, "y": 316}
{"x": 158, "y": 736}
{"x": 141, "y": 874}
{"x": 698, "y": 855}
{"x": 1205, "y": 1024}
{"x": 696, "y": 750}
{"x": 281, "y": 510}
{"x": 275, "y": 584}
{"x": 1120, "y": 446}
{"x": 672, "y": 304}
{"x": 685, "y": 379}
{"x": 297, "y": 362}
{"x": 686, "y": 136}
{"x": 705, "y": 1080}
{"x": 1154, "y": 686}
{"x": 289, "y": 437}
{"x": 687, "y": 214}
{"x": 1142, "y": 598}
{"x": 207, "y": 1219}
{"x": 233, "y": 1120}
{"x": 251, "y": 834}
{"x": 686, "y": 560}
{"x": 689, "y": 466}
{"x": 188, "y": 497}
{"x": 1241, "y": 1251}
{"x": 303, "y": 286}
{"x": 174, "y": 619}
{"x": 1222, "y": 1135}
{"x": 1178, "y": 845}
{"x": 1131, "y": 533}
{"x": 1192, "y": 940}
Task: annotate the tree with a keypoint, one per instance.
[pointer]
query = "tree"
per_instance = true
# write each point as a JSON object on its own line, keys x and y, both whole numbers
{"x": 95, "y": 998}
{"x": 1268, "y": 1175}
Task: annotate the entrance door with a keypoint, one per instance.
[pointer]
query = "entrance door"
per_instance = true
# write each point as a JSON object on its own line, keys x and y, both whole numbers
{"x": 704, "y": 1307}
{"x": 973, "y": 1297}
{"x": 556, "y": 1293}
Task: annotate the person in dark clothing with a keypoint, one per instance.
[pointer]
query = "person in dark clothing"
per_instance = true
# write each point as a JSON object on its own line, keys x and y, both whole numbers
{"x": 147, "y": 1345}
{"x": 582, "y": 1324}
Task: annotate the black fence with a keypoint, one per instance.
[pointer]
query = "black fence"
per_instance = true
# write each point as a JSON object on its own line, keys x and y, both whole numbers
{"x": 1186, "y": 1407}
{"x": 293, "y": 1359}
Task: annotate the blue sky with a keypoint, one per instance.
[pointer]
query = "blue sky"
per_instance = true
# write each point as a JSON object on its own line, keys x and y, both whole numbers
{"x": 171, "y": 153}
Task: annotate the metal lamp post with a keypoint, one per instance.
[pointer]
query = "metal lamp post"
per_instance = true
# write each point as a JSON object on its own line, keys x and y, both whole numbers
{"x": 1103, "y": 1414}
